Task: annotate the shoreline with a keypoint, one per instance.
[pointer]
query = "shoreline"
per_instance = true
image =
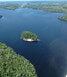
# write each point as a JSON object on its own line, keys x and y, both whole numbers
{"x": 30, "y": 40}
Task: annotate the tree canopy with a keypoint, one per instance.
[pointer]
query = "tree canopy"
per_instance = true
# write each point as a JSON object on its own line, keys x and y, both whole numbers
{"x": 63, "y": 18}
{"x": 29, "y": 35}
{"x": 14, "y": 65}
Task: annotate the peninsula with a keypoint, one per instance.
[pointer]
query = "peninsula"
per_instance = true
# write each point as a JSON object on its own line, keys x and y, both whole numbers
{"x": 64, "y": 18}
{"x": 29, "y": 36}
{"x": 14, "y": 65}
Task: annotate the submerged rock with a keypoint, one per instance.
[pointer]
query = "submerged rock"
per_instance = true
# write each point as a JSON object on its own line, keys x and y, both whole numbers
{"x": 1, "y": 16}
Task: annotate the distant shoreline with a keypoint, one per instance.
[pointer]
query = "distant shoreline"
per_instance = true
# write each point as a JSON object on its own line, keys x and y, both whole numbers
{"x": 49, "y": 6}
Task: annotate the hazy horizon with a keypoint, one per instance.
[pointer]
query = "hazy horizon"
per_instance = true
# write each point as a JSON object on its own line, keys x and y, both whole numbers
{"x": 32, "y": 0}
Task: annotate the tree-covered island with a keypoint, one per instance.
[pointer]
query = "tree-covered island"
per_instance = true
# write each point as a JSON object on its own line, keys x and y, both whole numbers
{"x": 0, "y": 16}
{"x": 29, "y": 36}
{"x": 14, "y": 65}
{"x": 64, "y": 18}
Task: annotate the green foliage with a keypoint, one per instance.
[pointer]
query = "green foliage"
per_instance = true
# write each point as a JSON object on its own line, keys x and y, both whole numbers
{"x": 10, "y": 6}
{"x": 50, "y": 7}
{"x": 53, "y": 7}
{"x": 29, "y": 35}
{"x": 63, "y": 18}
{"x": 14, "y": 65}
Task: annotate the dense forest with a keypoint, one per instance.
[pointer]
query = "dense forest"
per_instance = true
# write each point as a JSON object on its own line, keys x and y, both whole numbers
{"x": 14, "y": 65}
{"x": 56, "y": 7}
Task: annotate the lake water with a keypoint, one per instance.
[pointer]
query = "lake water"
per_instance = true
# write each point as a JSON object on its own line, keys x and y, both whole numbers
{"x": 49, "y": 55}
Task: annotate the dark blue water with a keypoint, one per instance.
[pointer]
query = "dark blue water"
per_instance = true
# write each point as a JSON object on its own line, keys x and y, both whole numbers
{"x": 49, "y": 55}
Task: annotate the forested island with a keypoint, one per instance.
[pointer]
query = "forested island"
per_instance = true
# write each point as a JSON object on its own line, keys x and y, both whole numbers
{"x": 63, "y": 18}
{"x": 29, "y": 36}
{"x": 14, "y": 65}
{"x": 0, "y": 16}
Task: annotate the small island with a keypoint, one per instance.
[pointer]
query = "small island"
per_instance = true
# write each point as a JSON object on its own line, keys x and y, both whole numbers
{"x": 29, "y": 36}
{"x": 64, "y": 18}
{"x": 0, "y": 16}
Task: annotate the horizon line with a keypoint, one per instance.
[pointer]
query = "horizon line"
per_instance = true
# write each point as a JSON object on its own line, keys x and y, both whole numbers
{"x": 32, "y": 0}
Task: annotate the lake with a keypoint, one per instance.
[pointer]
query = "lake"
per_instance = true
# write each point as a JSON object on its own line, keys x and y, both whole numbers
{"x": 49, "y": 55}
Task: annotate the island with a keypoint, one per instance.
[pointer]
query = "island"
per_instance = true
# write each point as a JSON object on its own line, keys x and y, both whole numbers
{"x": 64, "y": 18}
{"x": 14, "y": 65}
{"x": 0, "y": 16}
{"x": 29, "y": 36}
